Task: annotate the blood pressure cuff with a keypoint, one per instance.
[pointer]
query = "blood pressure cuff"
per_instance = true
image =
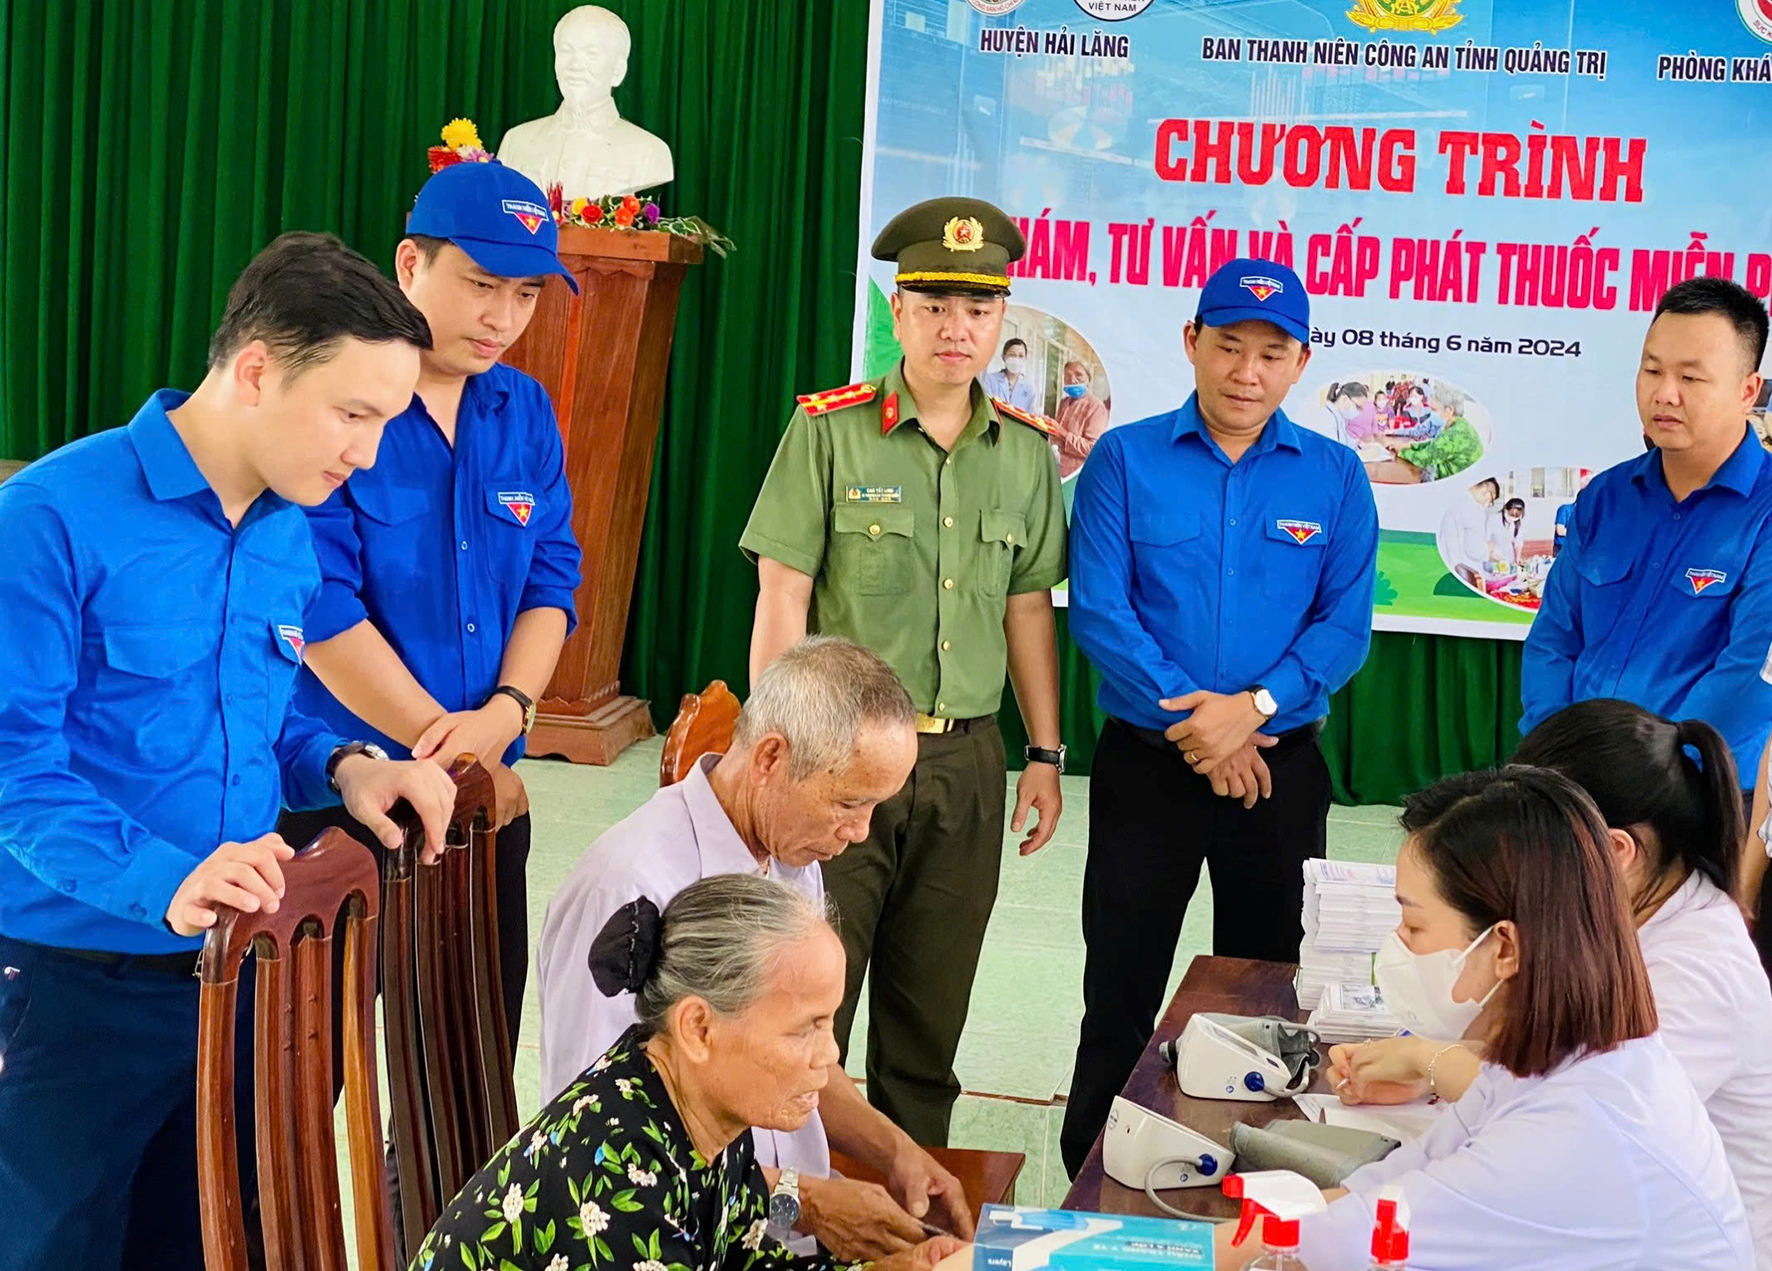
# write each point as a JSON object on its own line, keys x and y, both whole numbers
{"x": 1325, "y": 1154}
{"x": 1295, "y": 1044}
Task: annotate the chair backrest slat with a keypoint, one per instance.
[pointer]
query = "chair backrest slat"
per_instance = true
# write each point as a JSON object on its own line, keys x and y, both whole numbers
{"x": 296, "y": 1150}
{"x": 449, "y": 1063}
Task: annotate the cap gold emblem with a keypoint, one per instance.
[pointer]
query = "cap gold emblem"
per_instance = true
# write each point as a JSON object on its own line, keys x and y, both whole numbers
{"x": 962, "y": 234}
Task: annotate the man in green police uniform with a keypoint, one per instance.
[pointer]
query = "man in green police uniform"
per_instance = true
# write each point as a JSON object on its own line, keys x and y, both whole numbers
{"x": 917, "y": 516}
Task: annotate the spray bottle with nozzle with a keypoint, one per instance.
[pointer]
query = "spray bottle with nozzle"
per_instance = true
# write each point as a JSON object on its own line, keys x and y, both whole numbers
{"x": 1390, "y": 1232}
{"x": 1281, "y": 1198}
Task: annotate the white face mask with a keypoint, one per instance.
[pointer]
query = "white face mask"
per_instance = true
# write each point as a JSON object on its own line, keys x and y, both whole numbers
{"x": 1417, "y": 988}
{"x": 1015, "y": 365}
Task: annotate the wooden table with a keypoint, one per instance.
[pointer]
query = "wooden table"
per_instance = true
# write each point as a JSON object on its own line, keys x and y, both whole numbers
{"x": 988, "y": 1177}
{"x": 1233, "y": 986}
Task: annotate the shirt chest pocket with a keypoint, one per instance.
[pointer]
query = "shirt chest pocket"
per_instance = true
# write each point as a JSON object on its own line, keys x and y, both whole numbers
{"x": 1292, "y": 554}
{"x": 386, "y": 531}
{"x": 512, "y": 507}
{"x": 1165, "y": 539}
{"x": 153, "y": 689}
{"x": 873, "y": 549}
{"x": 1001, "y": 535}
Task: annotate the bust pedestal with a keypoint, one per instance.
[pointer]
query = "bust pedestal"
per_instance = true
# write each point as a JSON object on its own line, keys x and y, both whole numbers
{"x": 602, "y": 356}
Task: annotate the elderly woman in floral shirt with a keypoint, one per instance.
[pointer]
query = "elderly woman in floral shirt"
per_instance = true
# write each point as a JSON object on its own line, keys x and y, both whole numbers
{"x": 645, "y": 1163}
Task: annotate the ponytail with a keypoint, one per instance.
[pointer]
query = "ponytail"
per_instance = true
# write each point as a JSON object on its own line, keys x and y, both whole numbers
{"x": 1716, "y": 853}
{"x": 1635, "y": 766}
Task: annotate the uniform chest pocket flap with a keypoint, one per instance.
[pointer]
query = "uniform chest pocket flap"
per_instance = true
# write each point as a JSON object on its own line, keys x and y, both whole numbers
{"x": 388, "y": 504}
{"x": 1156, "y": 524}
{"x": 1001, "y": 535}
{"x": 1293, "y": 559}
{"x": 156, "y": 651}
{"x": 872, "y": 548}
{"x": 1602, "y": 568}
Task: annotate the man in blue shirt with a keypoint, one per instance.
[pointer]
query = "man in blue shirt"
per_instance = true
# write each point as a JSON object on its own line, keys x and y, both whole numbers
{"x": 156, "y": 577}
{"x": 1662, "y": 594}
{"x": 449, "y": 570}
{"x": 1221, "y": 583}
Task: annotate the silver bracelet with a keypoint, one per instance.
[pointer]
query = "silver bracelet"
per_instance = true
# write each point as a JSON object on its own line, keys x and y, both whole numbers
{"x": 1432, "y": 1064}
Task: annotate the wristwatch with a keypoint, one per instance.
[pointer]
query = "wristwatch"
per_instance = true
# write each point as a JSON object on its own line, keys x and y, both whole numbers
{"x": 522, "y": 699}
{"x": 341, "y": 753}
{"x": 1264, "y": 702}
{"x": 1033, "y": 754}
{"x": 784, "y": 1201}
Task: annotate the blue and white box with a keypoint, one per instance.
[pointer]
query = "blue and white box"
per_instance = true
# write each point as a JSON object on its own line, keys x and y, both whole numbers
{"x": 1019, "y": 1238}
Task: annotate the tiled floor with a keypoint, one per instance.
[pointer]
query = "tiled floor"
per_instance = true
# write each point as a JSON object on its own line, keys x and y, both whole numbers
{"x": 1015, "y": 1058}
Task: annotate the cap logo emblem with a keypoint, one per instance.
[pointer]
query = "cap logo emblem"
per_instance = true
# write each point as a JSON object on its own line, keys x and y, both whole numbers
{"x": 962, "y": 234}
{"x": 529, "y": 215}
{"x": 1260, "y": 286}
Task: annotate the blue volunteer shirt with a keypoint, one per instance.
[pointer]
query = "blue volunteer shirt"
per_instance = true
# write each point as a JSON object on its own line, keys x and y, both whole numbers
{"x": 147, "y": 661}
{"x": 1191, "y": 572}
{"x": 1665, "y": 604}
{"x": 441, "y": 546}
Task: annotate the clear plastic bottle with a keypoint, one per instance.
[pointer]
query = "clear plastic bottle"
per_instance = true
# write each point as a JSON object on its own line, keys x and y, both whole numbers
{"x": 1279, "y": 1246}
{"x": 1280, "y": 1198}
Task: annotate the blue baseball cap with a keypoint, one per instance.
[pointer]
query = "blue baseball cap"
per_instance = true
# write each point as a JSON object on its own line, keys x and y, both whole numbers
{"x": 495, "y": 214}
{"x": 1248, "y": 289}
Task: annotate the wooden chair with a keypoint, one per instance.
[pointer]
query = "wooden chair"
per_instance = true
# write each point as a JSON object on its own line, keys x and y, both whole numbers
{"x": 703, "y": 726}
{"x": 332, "y": 880}
{"x": 449, "y": 1052}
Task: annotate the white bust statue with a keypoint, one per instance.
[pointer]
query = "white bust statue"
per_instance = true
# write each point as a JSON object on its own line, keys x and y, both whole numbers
{"x": 586, "y": 147}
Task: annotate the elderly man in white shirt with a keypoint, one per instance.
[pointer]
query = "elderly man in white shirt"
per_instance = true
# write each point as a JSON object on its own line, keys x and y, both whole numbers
{"x": 828, "y": 733}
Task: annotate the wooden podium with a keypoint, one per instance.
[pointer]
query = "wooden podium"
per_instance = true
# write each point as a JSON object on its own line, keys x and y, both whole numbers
{"x": 602, "y": 356}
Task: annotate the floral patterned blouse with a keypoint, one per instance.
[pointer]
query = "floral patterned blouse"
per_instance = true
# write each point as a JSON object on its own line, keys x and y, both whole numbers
{"x": 605, "y": 1179}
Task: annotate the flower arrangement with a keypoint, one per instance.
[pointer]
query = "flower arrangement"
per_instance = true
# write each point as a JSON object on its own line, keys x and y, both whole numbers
{"x": 637, "y": 212}
{"x": 461, "y": 144}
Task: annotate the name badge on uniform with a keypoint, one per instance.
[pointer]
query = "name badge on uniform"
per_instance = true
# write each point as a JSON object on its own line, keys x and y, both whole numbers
{"x": 874, "y": 494}
{"x": 1301, "y": 532}
{"x": 519, "y": 503}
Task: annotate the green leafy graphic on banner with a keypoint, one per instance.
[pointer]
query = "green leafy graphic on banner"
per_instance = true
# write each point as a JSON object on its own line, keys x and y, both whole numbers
{"x": 881, "y": 349}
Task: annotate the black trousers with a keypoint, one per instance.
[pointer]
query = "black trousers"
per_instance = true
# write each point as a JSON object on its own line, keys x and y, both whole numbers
{"x": 510, "y": 898}
{"x": 1152, "y": 822}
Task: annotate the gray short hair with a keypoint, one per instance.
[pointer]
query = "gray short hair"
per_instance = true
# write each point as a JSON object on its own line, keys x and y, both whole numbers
{"x": 720, "y": 940}
{"x": 818, "y": 695}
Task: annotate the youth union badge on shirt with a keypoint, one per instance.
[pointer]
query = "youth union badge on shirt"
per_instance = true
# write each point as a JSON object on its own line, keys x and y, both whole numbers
{"x": 1301, "y": 532}
{"x": 1703, "y": 579}
{"x": 519, "y": 503}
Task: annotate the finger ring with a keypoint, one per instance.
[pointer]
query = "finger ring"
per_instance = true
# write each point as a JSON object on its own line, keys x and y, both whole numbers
{"x": 1190, "y": 756}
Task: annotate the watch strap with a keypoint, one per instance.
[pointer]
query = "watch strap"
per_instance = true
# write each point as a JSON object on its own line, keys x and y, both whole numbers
{"x": 1037, "y": 754}
{"x": 522, "y": 699}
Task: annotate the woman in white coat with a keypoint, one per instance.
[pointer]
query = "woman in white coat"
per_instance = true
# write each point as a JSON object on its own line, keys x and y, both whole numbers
{"x": 1676, "y": 824}
{"x": 1580, "y": 1145}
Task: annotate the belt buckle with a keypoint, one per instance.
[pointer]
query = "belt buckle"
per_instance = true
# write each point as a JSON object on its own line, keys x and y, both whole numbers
{"x": 933, "y": 724}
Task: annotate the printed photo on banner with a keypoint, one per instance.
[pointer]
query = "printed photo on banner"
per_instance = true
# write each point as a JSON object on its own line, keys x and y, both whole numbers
{"x": 1484, "y": 202}
{"x": 1408, "y": 427}
{"x": 1047, "y": 366}
{"x": 1501, "y": 539}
